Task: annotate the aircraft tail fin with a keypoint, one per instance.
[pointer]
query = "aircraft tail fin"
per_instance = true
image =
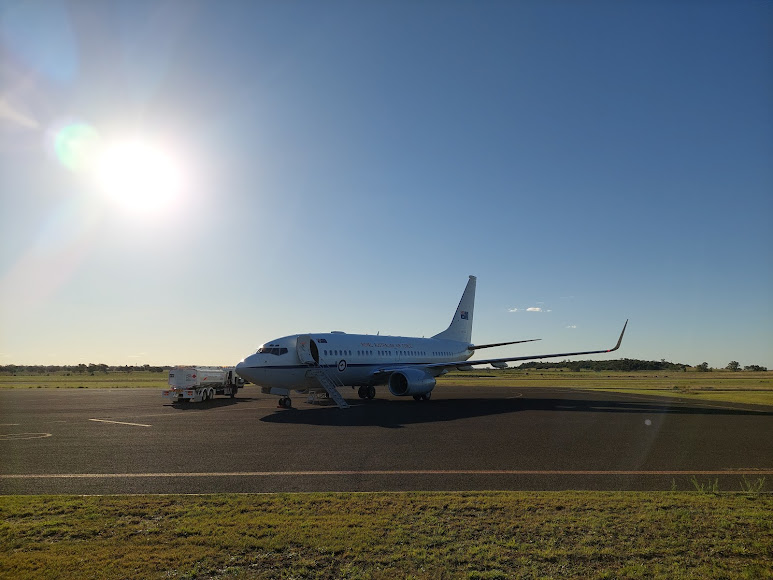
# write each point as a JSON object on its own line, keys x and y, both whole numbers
{"x": 460, "y": 328}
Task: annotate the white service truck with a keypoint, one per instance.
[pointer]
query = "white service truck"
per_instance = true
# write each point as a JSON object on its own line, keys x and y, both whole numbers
{"x": 197, "y": 384}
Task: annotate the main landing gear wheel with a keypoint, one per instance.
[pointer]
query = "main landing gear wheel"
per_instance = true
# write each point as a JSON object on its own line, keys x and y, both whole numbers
{"x": 366, "y": 392}
{"x": 371, "y": 392}
{"x": 425, "y": 397}
{"x": 285, "y": 403}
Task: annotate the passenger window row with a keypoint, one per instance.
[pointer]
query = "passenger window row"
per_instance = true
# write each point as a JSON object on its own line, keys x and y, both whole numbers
{"x": 341, "y": 352}
{"x": 275, "y": 350}
{"x": 337, "y": 352}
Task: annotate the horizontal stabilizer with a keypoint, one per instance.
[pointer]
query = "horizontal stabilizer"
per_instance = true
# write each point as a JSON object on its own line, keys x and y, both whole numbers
{"x": 477, "y": 346}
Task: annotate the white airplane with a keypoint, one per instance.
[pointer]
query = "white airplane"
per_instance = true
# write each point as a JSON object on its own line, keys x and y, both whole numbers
{"x": 407, "y": 365}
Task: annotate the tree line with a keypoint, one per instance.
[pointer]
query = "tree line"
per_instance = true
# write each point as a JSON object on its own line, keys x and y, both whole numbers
{"x": 91, "y": 369}
{"x": 629, "y": 364}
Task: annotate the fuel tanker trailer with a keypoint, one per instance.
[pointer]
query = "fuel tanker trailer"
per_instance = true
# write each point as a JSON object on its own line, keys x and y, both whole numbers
{"x": 195, "y": 384}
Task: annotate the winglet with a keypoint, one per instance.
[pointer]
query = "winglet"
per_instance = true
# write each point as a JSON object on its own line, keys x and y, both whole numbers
{"x": 619, "y": 340}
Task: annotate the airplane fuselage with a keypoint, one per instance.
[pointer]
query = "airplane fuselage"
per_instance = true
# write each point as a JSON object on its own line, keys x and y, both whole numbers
{"x": 355, "y": 359}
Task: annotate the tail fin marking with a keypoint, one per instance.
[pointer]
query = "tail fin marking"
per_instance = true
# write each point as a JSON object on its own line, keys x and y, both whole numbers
{"x": 460, "y": 328}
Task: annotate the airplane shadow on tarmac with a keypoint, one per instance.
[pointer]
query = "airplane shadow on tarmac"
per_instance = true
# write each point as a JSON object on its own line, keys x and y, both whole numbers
{"x": 397, "y": 414}
{"x": 211, "y": 404}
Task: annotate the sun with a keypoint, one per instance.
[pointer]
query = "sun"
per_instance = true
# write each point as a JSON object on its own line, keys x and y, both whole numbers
{"x": 139, "y": 175}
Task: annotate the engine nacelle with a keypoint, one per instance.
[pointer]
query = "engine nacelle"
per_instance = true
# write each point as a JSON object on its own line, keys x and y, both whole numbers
{"x": 410, "y": 382}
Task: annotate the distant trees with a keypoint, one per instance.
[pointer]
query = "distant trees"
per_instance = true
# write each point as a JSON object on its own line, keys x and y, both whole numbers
{"x": 628, "y": 364}
{"x": 625, "y": 364}
{"x": 81, "y": 369}
{"x": 97, "y": 368}
{"x": 757, "y": 368}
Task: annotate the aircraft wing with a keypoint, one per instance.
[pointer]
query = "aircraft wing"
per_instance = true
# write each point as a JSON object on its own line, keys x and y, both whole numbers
{"x": 468, "y": 363}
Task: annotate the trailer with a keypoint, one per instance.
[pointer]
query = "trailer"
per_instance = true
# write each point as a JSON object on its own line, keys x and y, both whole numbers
{"x": 195, "y": 384}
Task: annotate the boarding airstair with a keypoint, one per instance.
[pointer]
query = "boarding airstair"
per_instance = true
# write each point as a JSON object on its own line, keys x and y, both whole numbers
{"x": 309, "y": 355}
{"x": 329, "y": 383}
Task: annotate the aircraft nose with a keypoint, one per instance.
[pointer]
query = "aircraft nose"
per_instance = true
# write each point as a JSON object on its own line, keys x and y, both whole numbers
{"x": 242, "y": 366}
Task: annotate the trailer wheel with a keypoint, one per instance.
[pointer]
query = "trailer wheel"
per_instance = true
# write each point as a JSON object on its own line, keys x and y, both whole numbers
{"x": 204, "y": 396}
{"x": 211, "y": 394}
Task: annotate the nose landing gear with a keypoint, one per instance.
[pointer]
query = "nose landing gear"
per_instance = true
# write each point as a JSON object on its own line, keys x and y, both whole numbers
{"x": 285, "y": 403}
{"x": 367, "y": 392}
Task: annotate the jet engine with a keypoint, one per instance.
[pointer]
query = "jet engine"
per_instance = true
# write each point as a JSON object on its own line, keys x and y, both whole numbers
{"x": 410, "y": 382}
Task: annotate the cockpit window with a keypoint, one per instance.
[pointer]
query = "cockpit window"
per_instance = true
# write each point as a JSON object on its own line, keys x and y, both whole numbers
{"x": 272, "y": 350}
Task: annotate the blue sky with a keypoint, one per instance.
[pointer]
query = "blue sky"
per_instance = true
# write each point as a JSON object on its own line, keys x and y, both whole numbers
{"x": 347, "y": 165}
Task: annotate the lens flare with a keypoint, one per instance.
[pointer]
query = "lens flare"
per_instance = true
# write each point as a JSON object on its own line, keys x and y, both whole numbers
{"x": 76, "y": 146}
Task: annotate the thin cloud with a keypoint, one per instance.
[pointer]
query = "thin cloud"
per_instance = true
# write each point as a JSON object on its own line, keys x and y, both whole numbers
{"x": 572, "y": 326}
{"x": 530, "y": 309}
{"x": 8, "y": 113}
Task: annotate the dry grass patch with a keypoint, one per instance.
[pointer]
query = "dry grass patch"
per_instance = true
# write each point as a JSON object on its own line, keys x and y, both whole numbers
{"x": 754, "y": 388}
{"x": 388, "y": 535}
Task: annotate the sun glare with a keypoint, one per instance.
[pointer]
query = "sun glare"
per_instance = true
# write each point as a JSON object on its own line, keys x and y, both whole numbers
{"x": 139, "y": 176}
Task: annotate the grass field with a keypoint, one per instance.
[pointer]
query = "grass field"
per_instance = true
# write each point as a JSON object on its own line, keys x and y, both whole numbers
{"x": 727, "y": 386}
{"x": 99, "y": 380}
{"x": 389, "y": 535}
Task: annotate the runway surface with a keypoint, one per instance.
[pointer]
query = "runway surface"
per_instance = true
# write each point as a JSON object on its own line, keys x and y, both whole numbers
{"x": 104, "y": 441}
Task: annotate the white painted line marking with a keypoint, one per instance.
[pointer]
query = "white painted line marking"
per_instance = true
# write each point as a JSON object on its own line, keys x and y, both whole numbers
{"x": 120, "y": 422}
{"x": 17, "y": 436}
{"x": 747, "y": 471}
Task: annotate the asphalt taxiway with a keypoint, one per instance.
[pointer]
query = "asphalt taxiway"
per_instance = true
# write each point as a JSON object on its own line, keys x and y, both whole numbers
{"x": 103, "y": 441}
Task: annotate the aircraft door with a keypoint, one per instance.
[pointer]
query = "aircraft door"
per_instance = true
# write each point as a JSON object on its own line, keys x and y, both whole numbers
{"x": 307, "y": 350}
